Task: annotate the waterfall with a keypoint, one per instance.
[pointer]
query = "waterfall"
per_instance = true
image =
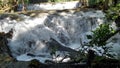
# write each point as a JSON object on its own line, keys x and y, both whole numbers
{"x": 51, "y": 6}
{"x": 31, "y": 33}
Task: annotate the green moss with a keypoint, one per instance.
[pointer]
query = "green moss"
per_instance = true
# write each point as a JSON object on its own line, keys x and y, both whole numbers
{"x": 35, "y": 63}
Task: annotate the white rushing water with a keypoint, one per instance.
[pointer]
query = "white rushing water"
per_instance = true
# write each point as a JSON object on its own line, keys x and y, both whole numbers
{"x": 31, "y": 34}
{"x": 52, "y": 6}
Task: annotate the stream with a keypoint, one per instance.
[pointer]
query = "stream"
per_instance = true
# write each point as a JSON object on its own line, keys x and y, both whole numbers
{"x": 31, "y": 33}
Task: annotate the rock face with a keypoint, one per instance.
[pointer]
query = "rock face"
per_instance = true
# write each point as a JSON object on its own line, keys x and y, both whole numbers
{"x": 117, "y": 21}
{"x": 13, "y": 64}
{"x": 4, "y": 60}
{"x": 5, "y": 53}
{"x": 52, "y": 44}
{"x": 4, "y": 48}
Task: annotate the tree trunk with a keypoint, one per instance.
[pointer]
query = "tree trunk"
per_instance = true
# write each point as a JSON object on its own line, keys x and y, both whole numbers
{"x": 115, "y": 2}
{"x": 106, "y": 4}
{"x": 24, "y": 7}
{"x": 15, "y": 5}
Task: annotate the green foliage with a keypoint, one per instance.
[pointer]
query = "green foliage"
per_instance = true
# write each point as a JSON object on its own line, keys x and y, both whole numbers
{"x": 34, "y": 64}
{"x": 99, "y": 37}
{"x": 53, "y": 52}
{"x": 99, "y": 34}
{"x": 94, "y": 2}
{"x": 25, "y": 1}
{"x": 102, "y": 59}
{"x": 89, "y": 36}
{"x": 11, "y": 5}
{"x": 99, "y": 58}
{"x": 61, "y": 0}
{"x": 113, "y": 12}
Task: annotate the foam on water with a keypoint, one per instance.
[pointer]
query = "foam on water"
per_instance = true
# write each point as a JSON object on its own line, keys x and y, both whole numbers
{"x": 31, "y": 34}
{"x": 52, "y": 6}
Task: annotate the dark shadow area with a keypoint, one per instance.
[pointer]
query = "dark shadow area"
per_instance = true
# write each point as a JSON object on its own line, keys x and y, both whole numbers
{"x": 37, "y": 1}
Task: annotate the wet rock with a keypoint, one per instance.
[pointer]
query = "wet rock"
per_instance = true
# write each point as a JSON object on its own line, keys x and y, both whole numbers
{"x": 49, "y": 62}
{"x": 32, "y": 55}
{"x": 117, "y": 21}
{"x": 11, "y": 17}
{"x": 19, "y": 64}
{"x": 4, "y": 48}
{"x": 5, "y": 53}
{"x": 4, "y": 60}
{"x": 36, "y": 64}
{"x": 60, "y": 47}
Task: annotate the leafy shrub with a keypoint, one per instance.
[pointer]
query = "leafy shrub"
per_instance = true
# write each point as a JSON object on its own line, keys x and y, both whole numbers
{"x": 99, "y": 38}
{"x": 100, "y": 34}
{"x": 113, "y": 12}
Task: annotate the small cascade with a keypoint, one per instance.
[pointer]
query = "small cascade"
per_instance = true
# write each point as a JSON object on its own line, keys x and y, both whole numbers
{"x": 31, "y": 34}
{"x": 51, "y": 6}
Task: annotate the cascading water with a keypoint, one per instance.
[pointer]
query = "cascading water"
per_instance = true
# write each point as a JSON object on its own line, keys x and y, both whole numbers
{"x": 31, "y": 34}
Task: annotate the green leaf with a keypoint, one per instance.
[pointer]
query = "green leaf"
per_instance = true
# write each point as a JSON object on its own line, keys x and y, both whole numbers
{"x": 89, "y": 36}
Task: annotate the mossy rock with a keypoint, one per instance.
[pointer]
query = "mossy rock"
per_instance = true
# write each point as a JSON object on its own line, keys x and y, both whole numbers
{"x": 11, "y": 16}
{"x": 35, "y": 64}
{"x": 103, "y": 62}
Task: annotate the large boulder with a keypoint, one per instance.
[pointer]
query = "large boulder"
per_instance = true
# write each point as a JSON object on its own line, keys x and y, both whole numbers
{"x": 4, "y": 48}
